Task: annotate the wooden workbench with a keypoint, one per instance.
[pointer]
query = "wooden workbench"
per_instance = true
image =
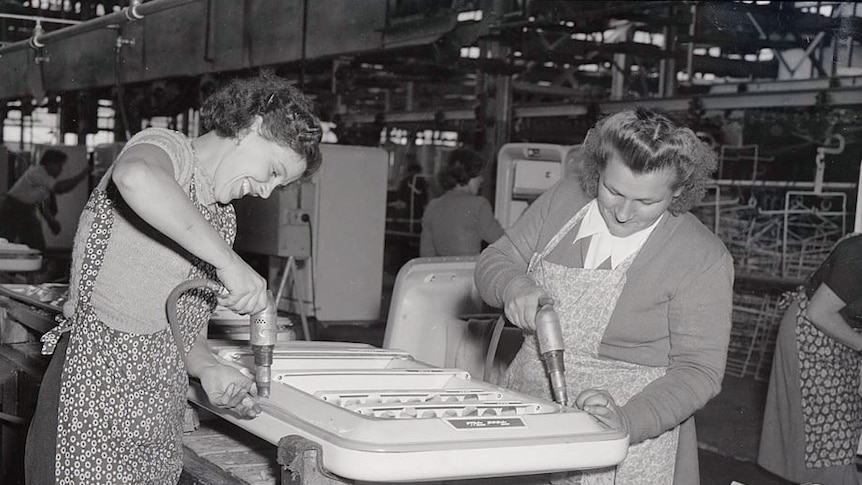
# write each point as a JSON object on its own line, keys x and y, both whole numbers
{"x": 219, "y": 453}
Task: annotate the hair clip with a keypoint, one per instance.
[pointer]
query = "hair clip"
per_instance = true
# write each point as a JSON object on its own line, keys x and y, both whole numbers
{"x": 269, "y": 101}
{"x": 312, "y": 134}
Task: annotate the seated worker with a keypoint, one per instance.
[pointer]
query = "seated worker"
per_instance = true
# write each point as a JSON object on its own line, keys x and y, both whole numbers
{"x": 643, "y": 290}
{"x": 30, "y": 193}
{"x": 459, "y": 221}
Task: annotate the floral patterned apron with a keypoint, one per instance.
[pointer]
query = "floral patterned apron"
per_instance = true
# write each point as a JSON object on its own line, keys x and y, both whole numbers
{"x": 123, "y": 395}
{"x": 829, "y": 386}
{"x": 585, "y": 300}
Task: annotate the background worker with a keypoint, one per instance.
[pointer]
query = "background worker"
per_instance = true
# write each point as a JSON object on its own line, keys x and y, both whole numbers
{"x": 410, "y": 197}
{"x": 459, "y": 221}
{"x": 813, "y": 416}
{"x": 33, "y": 192}
{"x": 642, "y": 288}
{"x": 112, "y": 401}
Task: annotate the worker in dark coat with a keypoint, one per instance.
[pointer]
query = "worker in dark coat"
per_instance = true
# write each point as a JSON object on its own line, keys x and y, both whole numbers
{"x": 32, "y": 194}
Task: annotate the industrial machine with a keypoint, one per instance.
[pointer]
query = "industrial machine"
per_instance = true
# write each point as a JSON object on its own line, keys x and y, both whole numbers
{"x": 380, "y": 415}
{"x": 437, "y": 316}
{"x": 524, "y": 171}
{"x": 384, "y": 415}
{"x": 333, "y": 227}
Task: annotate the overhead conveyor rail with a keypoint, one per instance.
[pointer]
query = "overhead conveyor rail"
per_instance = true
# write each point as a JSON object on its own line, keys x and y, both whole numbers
{"x": 135, "y": 11}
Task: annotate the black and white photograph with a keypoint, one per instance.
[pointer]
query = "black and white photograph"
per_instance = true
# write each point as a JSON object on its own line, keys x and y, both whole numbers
{"x": 439, "y": 242}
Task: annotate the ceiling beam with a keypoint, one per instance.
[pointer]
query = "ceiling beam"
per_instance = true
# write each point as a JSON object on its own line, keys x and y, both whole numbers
{"x": 845, "y": 96}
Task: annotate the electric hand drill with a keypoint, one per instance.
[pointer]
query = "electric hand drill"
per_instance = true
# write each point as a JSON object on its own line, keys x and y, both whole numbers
{"x": 263, "y": 333}
{"x": 551, "y": 348}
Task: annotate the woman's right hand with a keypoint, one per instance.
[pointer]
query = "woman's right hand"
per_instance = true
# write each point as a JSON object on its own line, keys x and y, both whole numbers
{"x": 522, "y": 301}
{"x": 246, "y": 290}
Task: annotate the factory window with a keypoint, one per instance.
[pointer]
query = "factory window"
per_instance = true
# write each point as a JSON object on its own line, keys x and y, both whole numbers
{"x": 39, "y": 126}
{"x": 437, "y": 137}
{"x": 395, "y": 136}
{"x": 401, "y": 136}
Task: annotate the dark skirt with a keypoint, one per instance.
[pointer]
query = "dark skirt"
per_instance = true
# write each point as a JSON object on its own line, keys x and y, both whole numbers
{"x": 783, "y": 439}
{"x": 41, "y": 448}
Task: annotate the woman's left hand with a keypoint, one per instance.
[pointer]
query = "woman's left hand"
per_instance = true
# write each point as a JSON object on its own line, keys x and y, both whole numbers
{"x": 228, "y": 388}
{"x": 601, "y": 405}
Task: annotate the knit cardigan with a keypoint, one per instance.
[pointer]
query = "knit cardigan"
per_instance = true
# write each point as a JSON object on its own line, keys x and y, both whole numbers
{"x": 674, "y": 310}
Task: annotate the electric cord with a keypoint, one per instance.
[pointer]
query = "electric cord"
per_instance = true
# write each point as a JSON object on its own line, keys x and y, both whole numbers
{"x": 307, "y": 219}
{"x": 171, "y": 306}
{"x": 492, "y": 348}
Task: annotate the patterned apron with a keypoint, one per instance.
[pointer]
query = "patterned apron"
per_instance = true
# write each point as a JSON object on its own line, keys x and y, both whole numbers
{"x": 585, "y": 300}
{"x": 123, "y": 395}
{"x": 829, "y": 387}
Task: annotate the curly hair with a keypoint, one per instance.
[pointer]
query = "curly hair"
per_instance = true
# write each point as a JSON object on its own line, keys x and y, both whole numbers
{"x": 463, "y": 164}
{"x": 287, "y": 114}
{"x": 648, "y": 140}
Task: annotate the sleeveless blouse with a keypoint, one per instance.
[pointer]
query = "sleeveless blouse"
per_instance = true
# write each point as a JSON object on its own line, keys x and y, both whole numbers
{"x": 159, "y": 264}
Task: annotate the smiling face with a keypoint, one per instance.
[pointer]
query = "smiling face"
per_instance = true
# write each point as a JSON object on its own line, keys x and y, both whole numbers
{"x": 256, "y": 167}
{"x": 628, "y": 201}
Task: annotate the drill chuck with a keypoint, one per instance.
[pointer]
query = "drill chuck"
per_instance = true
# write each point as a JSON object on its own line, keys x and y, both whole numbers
{"x": 549, "y": 333}
{"x": 557, "y": 373}
{"x": 263, "y": 334}
{"x": 262, "y": 368}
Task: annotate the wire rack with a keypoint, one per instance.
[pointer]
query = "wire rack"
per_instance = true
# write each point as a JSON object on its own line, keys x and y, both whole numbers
{"x": 752, "y": 338}
{"x": 776, "y": 231}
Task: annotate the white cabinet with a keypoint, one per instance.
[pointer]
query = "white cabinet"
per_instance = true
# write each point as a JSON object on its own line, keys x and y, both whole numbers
{"x": 525, "y": 171}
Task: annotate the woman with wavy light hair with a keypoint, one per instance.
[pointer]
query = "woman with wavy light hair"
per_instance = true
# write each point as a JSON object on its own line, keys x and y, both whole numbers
{"x": 643, "y": 291}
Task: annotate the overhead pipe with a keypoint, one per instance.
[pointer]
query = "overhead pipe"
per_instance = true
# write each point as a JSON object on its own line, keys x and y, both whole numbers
{"x": 37, "y": 18}
{"x": 136, "y": 11}
{"x": 35, "y": 41}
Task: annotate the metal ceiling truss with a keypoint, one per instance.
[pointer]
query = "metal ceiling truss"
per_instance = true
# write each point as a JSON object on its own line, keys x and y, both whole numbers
{"x": 407, "y": 59}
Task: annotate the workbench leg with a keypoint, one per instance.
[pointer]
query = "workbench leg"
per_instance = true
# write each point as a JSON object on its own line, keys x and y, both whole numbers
{"x": 301, "y": 463}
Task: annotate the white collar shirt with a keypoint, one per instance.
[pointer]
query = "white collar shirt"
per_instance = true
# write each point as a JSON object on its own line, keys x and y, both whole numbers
{"x": 603, "y": 244}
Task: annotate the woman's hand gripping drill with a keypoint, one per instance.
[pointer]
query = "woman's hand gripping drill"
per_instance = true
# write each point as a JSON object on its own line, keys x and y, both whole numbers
{"x": 522, "y": 301}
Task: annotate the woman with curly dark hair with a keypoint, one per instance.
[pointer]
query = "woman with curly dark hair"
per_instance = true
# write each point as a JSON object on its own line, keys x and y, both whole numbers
{"x": 112, "y": 401}
{"x": 643, "y": 291}
{"x": 460, "y": 220}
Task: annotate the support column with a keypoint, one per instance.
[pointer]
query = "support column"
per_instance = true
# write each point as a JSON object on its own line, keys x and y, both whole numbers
{"x": 495, "y": 91}
{"x": 667, "y": 66}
